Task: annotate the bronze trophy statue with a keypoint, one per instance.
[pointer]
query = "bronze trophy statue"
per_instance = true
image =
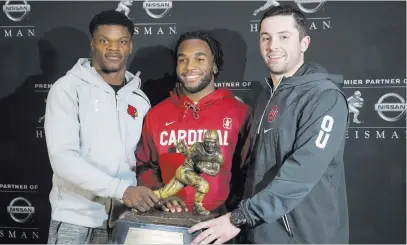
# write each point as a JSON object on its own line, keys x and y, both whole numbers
{"x": 201, "y": 157}
{"x": 160, "y": 227}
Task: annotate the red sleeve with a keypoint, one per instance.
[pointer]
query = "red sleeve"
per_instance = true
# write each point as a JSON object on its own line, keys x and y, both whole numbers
{"x": 147, "y": 169}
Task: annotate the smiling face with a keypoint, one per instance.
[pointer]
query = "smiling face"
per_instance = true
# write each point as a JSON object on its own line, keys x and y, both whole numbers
{"x": 281, "y": 46}
{"x": 111, "y": 46}
{"x": 195, "y": 65}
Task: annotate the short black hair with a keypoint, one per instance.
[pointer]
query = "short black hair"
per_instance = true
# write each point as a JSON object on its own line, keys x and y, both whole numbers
{"x": 214, "y": 45}
{"x": 111, "y": 17}
{"x": 287, "y": 10}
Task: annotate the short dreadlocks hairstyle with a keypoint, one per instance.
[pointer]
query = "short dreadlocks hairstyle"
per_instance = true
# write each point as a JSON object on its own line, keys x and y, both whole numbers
{"x": 111, "y": 17}
{"x": 287, "y": 10}
{"x": 214, "y": 45}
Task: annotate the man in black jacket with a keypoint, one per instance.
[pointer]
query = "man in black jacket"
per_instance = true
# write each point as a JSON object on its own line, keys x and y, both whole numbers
{"x": 295, "y": 186}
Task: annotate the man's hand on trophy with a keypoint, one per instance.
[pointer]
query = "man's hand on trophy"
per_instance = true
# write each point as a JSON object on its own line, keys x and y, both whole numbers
{"x": 173, "y": 204}
{"x": 139, "y": 197}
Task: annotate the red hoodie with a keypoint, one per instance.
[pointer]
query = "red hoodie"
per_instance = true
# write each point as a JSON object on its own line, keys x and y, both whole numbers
{"x": 178, "y": 117}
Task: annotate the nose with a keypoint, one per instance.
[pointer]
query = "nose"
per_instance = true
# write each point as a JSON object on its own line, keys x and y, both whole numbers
{"x": 190, "y": 64}
{"x": 113, "y": 46}
{"x": 273, "y": 44}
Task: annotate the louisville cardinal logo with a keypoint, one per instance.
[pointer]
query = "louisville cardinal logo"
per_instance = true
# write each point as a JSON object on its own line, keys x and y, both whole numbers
{"x": 132, "y": 111}
{"x": 273, "y": 113}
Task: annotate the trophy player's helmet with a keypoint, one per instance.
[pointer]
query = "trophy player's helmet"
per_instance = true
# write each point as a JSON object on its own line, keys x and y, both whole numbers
{"x": 211, "y": 135}
{"x": 211, "y": 140}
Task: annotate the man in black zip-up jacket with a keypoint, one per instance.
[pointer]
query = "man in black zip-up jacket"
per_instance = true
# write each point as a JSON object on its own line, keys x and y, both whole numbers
{"x": 295, "y": 187}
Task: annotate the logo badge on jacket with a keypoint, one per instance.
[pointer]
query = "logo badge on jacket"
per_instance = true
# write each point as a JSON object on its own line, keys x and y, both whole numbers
{"x": 273, "y": 113}
{"x": 227, "y": 123}
{"x": 132, "y": 111}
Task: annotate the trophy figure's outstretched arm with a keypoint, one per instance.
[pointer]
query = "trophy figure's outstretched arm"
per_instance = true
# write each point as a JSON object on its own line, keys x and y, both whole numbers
{"x": 182, "y": 147}
{"x": 266, "y": 6}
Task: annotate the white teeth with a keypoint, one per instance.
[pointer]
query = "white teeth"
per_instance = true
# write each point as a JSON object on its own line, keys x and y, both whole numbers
{"x": 275, "y": 57}
{"x": 192, "y": 76}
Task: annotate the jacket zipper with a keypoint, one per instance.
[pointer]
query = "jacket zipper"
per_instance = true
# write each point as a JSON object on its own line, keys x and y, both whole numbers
{"x": 120, "y": 131}
{"x": 265, "y": 108}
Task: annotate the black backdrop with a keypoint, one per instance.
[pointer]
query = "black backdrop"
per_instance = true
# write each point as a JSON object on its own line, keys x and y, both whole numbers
{"x": 364, "y": 41}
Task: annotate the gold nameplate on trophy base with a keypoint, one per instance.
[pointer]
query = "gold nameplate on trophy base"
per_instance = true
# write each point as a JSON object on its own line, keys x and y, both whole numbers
{"x": 147, "y": 236}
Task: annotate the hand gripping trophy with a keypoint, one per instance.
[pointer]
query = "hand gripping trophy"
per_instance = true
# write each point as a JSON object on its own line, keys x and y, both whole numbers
{"x": 201, "y": 157}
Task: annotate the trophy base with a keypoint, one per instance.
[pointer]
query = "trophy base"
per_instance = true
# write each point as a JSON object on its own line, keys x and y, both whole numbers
{"x": 157, "y": 227}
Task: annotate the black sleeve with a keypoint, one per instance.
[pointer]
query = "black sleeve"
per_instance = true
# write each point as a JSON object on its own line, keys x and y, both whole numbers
{"x": 239, "y": 164}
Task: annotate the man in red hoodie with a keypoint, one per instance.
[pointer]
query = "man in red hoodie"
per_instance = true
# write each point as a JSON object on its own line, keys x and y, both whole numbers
{"x": 194, "y": 108}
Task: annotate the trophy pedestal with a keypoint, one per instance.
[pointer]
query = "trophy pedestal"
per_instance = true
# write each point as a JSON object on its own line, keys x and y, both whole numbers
{"x": 156, "y": 227}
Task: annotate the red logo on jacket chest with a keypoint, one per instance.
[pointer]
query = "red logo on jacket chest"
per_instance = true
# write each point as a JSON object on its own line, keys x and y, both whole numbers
{"x": 273, "y": 113}
{"x": 132, "y": 111}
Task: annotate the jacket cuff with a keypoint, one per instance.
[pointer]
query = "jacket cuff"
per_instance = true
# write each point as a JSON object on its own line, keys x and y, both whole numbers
{"x": 121, "y": 188}
{"x": 243, "y": 207}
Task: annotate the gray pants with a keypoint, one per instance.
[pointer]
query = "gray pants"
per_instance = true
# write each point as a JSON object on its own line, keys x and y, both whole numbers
{"x": 65, "y": 233}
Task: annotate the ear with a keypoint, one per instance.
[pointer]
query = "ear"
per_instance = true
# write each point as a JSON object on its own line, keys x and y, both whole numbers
{"x": 214, "y": 69}
{"x": 131, "y": 46}
{"x": 92, "y": 45}
{"x": 305, "y": 41}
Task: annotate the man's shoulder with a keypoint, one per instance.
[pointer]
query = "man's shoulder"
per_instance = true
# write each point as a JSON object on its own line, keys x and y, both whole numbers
{"x": 234, "y": 104}
{"x": 328, "y": 84}
{"x": 162, "y": 107}
{"x": 319, "y": 88}
{"x": 236, "y": 107}
{"x": 67, "y": 83}
{"x": 235, "y": 101}
{"x": 328, "y": 93}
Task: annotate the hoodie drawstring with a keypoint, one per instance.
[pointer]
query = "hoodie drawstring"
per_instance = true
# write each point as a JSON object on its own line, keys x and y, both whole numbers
{"x": 193, "y": 108}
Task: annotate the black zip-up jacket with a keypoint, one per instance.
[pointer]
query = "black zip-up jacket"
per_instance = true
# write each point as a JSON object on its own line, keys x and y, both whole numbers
{"x": 295, "y": 185}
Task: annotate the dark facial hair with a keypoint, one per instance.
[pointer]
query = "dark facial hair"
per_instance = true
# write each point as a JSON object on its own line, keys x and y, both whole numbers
{"x": 206, "y": 80}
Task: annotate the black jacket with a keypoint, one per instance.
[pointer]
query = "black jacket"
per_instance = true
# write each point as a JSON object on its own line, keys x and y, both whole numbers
{"x": 295, "y": 185}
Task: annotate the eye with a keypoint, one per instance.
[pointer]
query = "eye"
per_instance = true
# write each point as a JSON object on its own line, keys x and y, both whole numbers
{"x": 181, "y": 60}
{"x": 124, "y": 42}
{"x": 201, "y": 59}
{"x": 284, "y": 37}
{"x": 104, "y": 41}
{"x": 265, "y": 39}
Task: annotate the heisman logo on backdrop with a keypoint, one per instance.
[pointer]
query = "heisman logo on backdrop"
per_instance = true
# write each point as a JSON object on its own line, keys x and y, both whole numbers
{"x": 39, "y": 132}
{"x": 355, "y": 102}
{"x": 316, "y": 21}
{"x": 156, "y": 9}
{"x": 17, "y": 13}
